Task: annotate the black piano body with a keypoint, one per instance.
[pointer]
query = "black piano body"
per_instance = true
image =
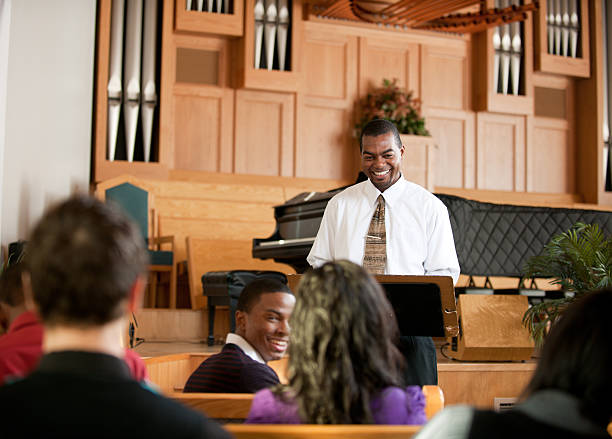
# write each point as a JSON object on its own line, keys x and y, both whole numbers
{"x": 297, "y": 223}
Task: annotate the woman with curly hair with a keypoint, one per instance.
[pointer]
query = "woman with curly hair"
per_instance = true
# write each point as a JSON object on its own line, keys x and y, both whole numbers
{"x": 344, "y": 367}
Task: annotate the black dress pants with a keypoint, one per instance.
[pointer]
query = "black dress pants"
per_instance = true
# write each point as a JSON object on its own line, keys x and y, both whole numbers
{"x": 421, "y": 365}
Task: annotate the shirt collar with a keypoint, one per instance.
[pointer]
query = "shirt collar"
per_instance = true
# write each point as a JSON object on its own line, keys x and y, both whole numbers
{"x": 26, "y": 318}
{"x": 391, "y": 194}
{"x": 245, "y": 346}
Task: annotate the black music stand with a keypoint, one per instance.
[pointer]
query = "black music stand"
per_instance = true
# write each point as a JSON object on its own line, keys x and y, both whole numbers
{"x": 423, "y": 305}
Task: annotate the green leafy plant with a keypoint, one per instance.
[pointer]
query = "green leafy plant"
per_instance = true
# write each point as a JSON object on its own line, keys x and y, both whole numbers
{"x": 394, "y": 104}
{"x": 579, "y": 261}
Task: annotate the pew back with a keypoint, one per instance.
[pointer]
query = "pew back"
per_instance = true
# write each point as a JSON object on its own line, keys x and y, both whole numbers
{"x": 237, "y": 405}
{"x": 272, "y": 431}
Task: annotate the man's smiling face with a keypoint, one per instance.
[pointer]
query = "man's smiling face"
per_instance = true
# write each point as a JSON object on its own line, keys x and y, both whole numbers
{"x": 381, "y": 159}
{"x": 266, "y": 325}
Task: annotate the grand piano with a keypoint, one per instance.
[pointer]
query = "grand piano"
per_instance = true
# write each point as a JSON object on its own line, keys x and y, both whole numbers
{"x": 490, "y": 239}
{"x": 297, "y": 223}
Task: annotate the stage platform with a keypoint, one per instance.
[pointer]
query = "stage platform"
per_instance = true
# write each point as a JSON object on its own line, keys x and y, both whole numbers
{"x": 473, "y": 383}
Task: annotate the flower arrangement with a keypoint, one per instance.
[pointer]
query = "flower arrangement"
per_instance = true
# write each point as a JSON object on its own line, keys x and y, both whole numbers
{"x": 394, "y": 104}
{"x": 579, "y": 261}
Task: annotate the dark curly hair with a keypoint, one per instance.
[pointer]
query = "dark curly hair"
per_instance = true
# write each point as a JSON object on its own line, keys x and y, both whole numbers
{"x": 342, "y": 349}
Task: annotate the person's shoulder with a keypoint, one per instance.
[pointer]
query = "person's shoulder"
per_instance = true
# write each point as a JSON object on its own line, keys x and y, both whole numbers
{"x": 230, "y": 352}
{"x": 355, "y": 190}
{"x": 413, "y": 191}
{"x": 452, "y": 422}
{"x": 397, "y": 405}
{"x": 256, "y": 376}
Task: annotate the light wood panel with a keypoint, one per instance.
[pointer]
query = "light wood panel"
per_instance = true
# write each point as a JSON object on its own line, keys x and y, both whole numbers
{"x": 217, "y": 405}
{"x": 479, "y": 384}
{"x": 500, "y": 149}
{"x": 445, "y": 76}
{"x": 204, "y": 255}
{"x": 418, "y": 163}
{"x": 384, "y": 58}
{"x": 264, "y": 133}
{"x": 453, "y": 132}
{"x": 552, "y": 167}
{"x": 169, "y": 372}
{"x": 325, "y": 113}
{"x": 326, "y": 149}
{"x": 214, "y": 229}
{"x": 172, "y": 325}
{"x": 202, "y": 131}
{"x": 330, "y": 69}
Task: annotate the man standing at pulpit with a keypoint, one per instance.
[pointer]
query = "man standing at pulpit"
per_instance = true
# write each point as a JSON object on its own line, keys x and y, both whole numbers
{"x": 390, "y": 226}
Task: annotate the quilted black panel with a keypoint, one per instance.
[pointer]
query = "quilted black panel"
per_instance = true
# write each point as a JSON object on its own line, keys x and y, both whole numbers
{"x": 497, "y": 239}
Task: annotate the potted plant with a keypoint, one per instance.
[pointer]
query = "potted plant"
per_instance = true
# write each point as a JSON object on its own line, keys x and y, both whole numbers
{"x": 394, "y": 104}
{"x": 402, "y": 109}
{"x": 579, "y": 261}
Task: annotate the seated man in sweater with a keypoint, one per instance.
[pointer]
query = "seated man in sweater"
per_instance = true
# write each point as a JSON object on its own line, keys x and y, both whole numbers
{"x": 262, "y": 335}
{"x": 21, "y": 346}
{"x": 85, "y": 273}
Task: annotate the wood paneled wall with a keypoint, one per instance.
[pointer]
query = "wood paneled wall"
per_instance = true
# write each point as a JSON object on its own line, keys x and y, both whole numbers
{"x": 302, "y": 124}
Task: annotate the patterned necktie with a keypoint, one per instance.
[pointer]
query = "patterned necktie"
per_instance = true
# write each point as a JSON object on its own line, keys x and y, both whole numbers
{"x": 375, "y": 254}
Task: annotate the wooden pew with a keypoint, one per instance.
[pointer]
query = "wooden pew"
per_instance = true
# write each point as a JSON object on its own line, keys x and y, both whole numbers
{"x": 308, "y": 431}
{"x": 170, "y": 372}
{"x": 237, "y": 405}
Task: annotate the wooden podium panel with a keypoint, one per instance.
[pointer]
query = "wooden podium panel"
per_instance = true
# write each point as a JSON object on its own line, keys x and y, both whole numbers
{"x": 423, "y": 305}
{"x": 491, "y": 329}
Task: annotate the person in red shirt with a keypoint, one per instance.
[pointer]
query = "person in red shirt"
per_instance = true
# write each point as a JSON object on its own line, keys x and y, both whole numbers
{"x": 21, "y": 345}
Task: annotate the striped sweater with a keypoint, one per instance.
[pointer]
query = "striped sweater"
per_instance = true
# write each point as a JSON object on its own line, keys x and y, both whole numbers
{"x": 231, "y": 371}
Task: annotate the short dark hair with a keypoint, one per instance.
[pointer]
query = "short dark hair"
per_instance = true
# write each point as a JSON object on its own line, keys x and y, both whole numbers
{"x": 11, "y": 290}
{"x": 83, "y": 258}
{"x": 254, "y": 289}
{"x": 378, "y": 127}
{"x": 577, "y": 356}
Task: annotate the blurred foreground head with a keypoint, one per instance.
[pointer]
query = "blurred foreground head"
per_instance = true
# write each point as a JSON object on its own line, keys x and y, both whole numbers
{"x": 83, "y": 258}
{"x": 577, "y": 356}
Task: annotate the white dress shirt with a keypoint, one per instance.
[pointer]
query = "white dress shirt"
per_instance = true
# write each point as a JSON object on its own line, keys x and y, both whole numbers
{"x": 419, "y": 235}
{"x": 245, "y": 346}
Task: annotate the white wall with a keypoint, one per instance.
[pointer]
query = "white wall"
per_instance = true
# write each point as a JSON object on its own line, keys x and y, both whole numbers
{"x": 45, "y": 128}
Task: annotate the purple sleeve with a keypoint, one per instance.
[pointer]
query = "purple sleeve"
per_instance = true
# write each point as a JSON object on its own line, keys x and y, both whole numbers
{"x": 396, "y": 406}
{"x": 267, "y": 409}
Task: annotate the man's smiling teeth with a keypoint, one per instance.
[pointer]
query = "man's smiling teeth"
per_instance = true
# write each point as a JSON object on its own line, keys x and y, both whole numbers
{"x": 381, "y": 173}
{"x": 279, "y": 343}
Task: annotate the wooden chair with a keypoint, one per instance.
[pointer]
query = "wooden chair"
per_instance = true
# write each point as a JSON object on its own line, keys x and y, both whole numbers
{"x": 138, "y": 203}
{"x": 237, "y": 405}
